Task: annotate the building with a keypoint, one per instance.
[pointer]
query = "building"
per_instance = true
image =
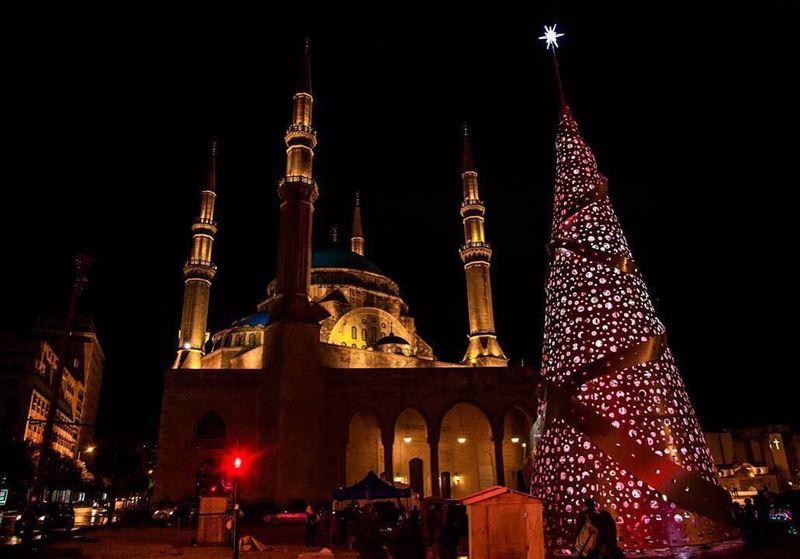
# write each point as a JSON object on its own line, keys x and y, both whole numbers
{"x": 329, "y": 378}
{"x": 27, "y": 365}
{"x": 749, "y": 460}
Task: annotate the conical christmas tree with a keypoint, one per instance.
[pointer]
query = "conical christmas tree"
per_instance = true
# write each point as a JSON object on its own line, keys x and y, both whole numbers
{"x": 617, "y": 425}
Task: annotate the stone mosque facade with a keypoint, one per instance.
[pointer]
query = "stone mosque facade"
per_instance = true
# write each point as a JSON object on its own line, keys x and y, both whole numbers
{"x": 329, "y": 378}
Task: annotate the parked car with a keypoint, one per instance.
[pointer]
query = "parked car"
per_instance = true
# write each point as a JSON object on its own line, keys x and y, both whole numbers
{"x": 48, "y": 516}
{"x": 285, "y": 517}
{"x": 184, "y": 513}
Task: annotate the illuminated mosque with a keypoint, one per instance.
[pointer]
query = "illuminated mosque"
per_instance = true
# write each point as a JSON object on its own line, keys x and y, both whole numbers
{"x": 329, "y": 379}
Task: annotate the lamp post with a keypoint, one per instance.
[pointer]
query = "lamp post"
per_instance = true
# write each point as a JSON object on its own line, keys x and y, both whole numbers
{"x": 88, "y": 450}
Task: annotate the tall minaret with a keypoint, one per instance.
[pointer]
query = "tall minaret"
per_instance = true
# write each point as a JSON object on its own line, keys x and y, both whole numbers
{"x": 483, "y": 349}
{"x": 199, "y": 271}
{"x": 357, "y": 238}
{"x": 297, "y": 191}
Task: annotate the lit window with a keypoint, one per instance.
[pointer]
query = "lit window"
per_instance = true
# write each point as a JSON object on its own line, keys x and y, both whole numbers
{"x": 354, "y": 333}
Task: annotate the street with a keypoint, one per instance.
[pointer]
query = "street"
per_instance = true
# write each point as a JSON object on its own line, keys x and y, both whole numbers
{"x": 89, "y": 516}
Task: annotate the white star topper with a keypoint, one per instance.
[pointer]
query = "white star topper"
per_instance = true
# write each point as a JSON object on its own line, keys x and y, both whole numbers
{"x": 551, "y": 36}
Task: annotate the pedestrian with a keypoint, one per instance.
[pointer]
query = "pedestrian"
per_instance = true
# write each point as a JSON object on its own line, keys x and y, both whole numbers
{"x": 587, "y": 531}
{"x": 448, "y": 540}
{"x": 763, "y": 508}
{"x": 311, "y": 527}
{"x": 607, "y": 537}
{"x": 413, "y": 517}
{"x": 748, "y": 522}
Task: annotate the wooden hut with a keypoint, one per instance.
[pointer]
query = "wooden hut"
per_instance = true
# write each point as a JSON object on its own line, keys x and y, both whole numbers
{"x": 504, "y": 524}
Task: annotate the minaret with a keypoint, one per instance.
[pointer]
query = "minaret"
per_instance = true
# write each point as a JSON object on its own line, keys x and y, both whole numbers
{"x": 483, "y": 349}
{"x": 297, "y": 191}
{"x": 198, "y": 273}
{"x": 357, "y": 238}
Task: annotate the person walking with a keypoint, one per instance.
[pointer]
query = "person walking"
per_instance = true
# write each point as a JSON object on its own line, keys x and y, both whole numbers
{"x": 311, "y": 527}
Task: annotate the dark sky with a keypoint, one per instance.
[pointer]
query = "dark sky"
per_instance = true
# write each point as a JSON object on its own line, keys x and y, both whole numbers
{"x": 691, "y": 113}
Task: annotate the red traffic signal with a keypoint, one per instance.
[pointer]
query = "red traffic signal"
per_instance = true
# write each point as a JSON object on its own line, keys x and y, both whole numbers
{"x": 237, "y": 462}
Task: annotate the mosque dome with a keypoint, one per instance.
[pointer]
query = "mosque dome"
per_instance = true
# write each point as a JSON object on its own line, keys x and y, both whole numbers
{"x": 255, "y": 319}
{"x": 342, "y": 258}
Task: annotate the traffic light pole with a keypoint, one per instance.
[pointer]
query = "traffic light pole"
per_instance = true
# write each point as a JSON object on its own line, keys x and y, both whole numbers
{"x": 236, "y": 517}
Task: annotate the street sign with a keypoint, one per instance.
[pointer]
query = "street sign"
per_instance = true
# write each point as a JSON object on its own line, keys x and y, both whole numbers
{"x": 3, "y": 497}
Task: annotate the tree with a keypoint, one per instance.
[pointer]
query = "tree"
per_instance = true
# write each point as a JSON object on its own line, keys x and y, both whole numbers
{"x": 618, "y": 424}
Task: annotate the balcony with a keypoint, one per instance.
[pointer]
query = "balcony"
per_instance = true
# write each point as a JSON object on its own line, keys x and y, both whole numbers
{"x": 291, "y": 179}
{"x": 476, "y": 244}
{"x": 302, "y": 132}
{"x": 300, "y": 128}
{"x": 198, "y": 262}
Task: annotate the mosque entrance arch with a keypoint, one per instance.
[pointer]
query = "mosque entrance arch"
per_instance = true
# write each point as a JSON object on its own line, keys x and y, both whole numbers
{"x": 517, "y": 426}
{"x": 364, "y": 447}
{"x": 410, "y": 444}
{"x": 466, "y": 450}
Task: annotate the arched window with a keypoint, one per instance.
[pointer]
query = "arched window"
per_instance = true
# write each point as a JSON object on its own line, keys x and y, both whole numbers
{"x": 354, "y": 333}
{"x": 253, "y": 340}
{"x": 211, "y": 431}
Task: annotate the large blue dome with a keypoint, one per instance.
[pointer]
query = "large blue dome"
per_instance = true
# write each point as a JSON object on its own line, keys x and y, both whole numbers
{"x": 342, "y": 258}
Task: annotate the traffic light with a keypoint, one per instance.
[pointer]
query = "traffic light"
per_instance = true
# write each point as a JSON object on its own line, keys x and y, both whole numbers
{"x": 237, "y": 464}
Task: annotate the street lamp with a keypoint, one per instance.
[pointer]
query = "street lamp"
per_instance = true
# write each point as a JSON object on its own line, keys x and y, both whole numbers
{"x": 88, "y": 450}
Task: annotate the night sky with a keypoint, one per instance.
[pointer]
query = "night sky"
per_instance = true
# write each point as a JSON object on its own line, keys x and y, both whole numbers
{"x": 692, "y": 115}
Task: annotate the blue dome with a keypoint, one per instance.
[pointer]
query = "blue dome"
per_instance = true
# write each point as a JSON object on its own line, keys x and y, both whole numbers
{"x": 255, "y": 319}
{"x": 342, "y": 258}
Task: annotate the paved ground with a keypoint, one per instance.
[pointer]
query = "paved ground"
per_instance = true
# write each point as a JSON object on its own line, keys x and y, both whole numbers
{"x": 151, "y": 542}
{"x": 731, "y": 550}
{"x": 158, "y": 542}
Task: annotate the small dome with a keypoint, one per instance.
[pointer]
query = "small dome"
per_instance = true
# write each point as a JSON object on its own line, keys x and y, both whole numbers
{"x": 342, "y": 258}
{"x": 392, "y": 339}
{"x": 255, "y": 319}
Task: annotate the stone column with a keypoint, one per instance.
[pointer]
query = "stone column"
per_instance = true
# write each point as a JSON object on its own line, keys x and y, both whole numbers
{"x": 388, "y": 457}
{"x": 497, "y": 438}
{"x": 434, "y": 446}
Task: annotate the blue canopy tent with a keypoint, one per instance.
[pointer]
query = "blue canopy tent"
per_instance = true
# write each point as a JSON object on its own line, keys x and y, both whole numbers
{"x": 369, "y": 488}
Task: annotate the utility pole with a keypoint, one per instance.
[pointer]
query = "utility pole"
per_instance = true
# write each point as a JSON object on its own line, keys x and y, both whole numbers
{"x": 82, "y": 262}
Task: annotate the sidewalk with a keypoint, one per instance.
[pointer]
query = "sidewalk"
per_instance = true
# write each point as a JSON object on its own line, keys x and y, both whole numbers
{"x": 144, "y": 543}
